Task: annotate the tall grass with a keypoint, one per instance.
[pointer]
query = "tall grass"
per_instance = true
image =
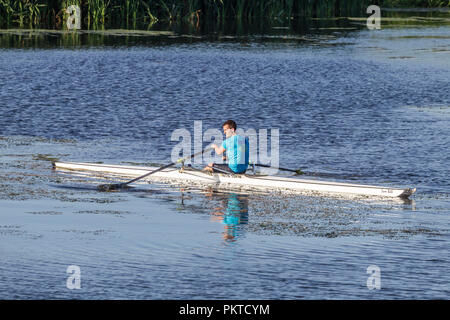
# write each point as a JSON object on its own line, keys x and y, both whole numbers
{"x": 128, "y": 13}
{"x": 21, "y": 12}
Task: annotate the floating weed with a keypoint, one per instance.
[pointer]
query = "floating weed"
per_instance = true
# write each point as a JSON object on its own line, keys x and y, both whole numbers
{"x": 45, "y": 157}
{"x": 401, "y": 57}
{"x": 87, "y": 232}
{"x": 52, "y": 213}
{"x": 115, "y": 213}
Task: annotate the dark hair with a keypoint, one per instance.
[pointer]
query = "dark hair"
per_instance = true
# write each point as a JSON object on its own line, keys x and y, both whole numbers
{"x": 230, "y": 123}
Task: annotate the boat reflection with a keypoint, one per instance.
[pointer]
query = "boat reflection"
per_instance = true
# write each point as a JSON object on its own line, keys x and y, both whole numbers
{"x": 232, "y": 212}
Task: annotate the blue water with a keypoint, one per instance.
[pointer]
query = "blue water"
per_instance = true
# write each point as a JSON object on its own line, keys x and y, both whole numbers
{"x": 363, "y": 106}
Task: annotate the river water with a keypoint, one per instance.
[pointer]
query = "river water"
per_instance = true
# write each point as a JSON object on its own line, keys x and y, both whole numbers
{"x": 350, "y": 104}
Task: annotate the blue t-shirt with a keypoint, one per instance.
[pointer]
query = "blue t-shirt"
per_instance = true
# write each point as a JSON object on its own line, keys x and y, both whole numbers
{"x": 237, "y": 148}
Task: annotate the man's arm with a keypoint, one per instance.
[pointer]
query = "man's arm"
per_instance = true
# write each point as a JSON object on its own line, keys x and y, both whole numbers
{"x": 219, "y": 150}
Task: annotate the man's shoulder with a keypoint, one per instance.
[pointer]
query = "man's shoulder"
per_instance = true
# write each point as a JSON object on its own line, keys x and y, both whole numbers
{"x": 236, "y": 139}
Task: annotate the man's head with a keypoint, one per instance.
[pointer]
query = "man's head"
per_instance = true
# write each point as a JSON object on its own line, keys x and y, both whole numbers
{"x": 229, "y": 127}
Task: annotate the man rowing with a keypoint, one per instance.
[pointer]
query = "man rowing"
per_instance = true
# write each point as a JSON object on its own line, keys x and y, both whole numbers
{"x": 237, "y": 151}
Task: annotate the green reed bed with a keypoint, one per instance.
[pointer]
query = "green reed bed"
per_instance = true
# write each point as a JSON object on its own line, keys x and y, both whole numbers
{"x": 129, "y": 13}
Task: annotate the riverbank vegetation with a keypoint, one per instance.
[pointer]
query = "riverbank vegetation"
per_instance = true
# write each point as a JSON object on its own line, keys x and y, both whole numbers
{"x": 129, "y": 13}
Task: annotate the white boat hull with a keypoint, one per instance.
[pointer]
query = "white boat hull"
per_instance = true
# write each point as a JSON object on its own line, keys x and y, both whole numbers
{"x": 229, "y": 181}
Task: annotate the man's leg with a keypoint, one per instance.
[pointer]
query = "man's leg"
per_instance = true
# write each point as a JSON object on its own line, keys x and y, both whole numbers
{"x": 221, "y": 168}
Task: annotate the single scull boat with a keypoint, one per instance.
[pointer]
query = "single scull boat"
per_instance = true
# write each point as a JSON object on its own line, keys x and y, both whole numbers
{"x": 239, "y": 181}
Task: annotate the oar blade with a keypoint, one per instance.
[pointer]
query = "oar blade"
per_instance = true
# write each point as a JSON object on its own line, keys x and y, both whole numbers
{"x": 110, "y": 187}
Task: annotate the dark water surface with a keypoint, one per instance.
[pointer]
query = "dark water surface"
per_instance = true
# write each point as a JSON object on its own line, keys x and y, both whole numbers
{"x": 356, "y": 105}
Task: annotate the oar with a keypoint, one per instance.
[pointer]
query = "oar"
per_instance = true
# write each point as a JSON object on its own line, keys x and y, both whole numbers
{"x": 114, "y": 186}
{"x": 298, "y": 171}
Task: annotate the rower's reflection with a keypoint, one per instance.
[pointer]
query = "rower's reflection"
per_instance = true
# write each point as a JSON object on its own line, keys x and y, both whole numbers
{"x": 232, "y": 212}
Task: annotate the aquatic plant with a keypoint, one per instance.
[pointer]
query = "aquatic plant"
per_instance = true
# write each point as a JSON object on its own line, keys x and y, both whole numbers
{"x": 21, "y": 12}
{"x": 97, "y": 10}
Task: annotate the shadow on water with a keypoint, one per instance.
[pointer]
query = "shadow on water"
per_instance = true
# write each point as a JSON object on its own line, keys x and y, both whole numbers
{"x": 74, "y": 187}
{"x": 126, "y": 189}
